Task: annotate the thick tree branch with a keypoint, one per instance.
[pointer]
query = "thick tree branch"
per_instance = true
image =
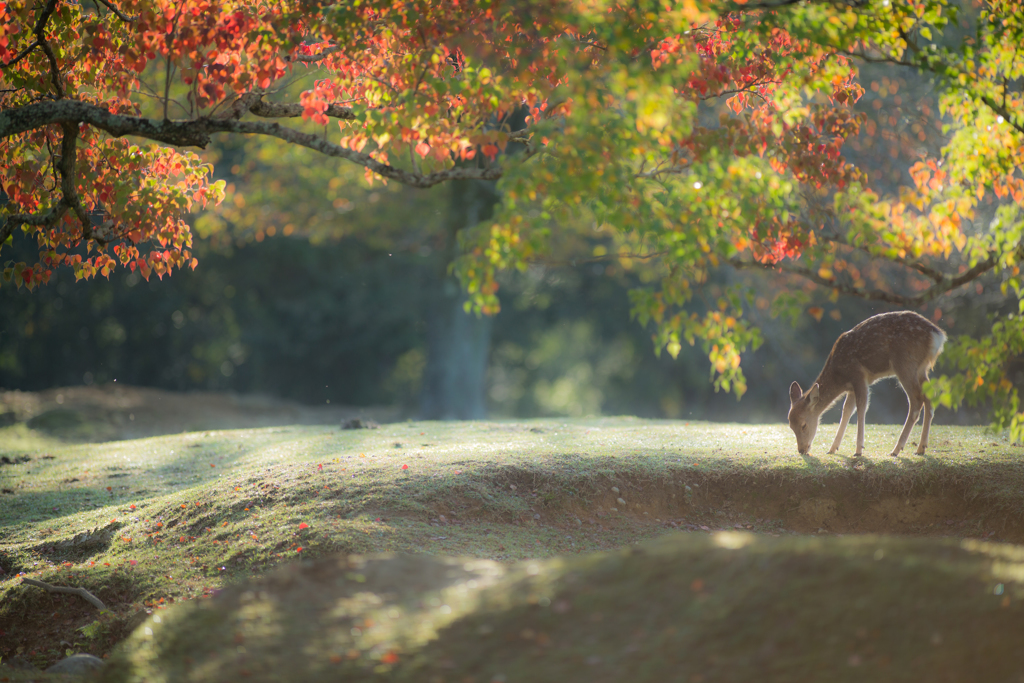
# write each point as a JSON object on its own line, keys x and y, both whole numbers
{"x": 80, "y": 592}
{"x": 66, "y": 164}
{"x": 40, "y": 30}
{"x": 69, "y": 180}
{"x": 947, "y": 284}
{"x": 926, "y": 270}
{"x": 197, "y": 133}
{"x": 253, "y": 102}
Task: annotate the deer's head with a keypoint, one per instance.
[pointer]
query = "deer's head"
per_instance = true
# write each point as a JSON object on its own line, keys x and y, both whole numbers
{"x": 803, "y": 418}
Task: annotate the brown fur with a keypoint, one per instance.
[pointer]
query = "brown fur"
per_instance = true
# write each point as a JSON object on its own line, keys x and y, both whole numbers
{"x": 903, "y": 344}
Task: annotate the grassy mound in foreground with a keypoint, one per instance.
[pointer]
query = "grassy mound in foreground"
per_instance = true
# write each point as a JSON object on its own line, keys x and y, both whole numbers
{"x": 727, "y": 607}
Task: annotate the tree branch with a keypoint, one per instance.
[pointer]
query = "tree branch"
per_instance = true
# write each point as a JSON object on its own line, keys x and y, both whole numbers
{"x": 118, "y": 13}
{"x": 40, "y": 27}
{"x": 20, "y": 56}
{"x": 926, "y": 270}
{"x": 931, "y": 63}
{"x": 80, "y": 592}
{"x": 69, "y": 181}
{"x": 197, "y": 133}
{"x": 312, "y": 58}
{"x": 947, "y": 284}
{"x": 65, "y": 165}
{"x": 253, "y": 102}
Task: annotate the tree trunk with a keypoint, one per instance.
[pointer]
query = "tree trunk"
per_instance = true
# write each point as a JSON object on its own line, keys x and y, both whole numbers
{"x": 457, "y": 342}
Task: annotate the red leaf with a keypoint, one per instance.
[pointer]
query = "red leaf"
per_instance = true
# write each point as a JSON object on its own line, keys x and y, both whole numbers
{"x": 303, "y": 526}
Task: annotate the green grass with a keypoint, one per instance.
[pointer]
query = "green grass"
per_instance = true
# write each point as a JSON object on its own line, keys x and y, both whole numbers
{"x": 155, "y": 521}
{"x": 728, "y": 607}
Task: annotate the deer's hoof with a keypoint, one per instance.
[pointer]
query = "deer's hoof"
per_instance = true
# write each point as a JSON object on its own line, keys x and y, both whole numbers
{"x": 895, "y": 454}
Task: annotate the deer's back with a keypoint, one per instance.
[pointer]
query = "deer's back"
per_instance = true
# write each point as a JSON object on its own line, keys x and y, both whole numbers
{"x": 875, "y": 346}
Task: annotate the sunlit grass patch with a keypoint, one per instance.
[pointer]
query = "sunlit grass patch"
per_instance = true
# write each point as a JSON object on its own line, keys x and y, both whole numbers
{"x": 178, "y": 517}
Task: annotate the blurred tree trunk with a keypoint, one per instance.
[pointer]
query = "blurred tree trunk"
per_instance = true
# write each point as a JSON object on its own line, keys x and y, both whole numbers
{"x": 457, "y": 342}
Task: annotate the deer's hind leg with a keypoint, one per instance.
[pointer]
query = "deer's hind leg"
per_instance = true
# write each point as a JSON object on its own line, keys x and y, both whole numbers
{"x": 922, "y": 378}
{"x": 915, "y": 396}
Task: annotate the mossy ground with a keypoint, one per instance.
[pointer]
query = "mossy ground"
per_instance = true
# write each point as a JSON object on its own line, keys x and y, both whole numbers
{"x": 150, "y": 522}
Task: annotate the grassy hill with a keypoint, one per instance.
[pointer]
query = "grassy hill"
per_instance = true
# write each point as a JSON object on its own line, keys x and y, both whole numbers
{"x": 145, "y": 524}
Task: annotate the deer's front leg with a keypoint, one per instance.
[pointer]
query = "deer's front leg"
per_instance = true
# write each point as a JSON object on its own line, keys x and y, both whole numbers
{"x": 848, "y": 406}
{"x": 860, "y": 393}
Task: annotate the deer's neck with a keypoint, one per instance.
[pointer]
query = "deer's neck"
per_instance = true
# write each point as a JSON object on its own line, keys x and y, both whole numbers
{"x": 831, "y": 386}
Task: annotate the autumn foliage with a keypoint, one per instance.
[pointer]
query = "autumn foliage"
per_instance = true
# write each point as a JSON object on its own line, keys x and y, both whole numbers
{"x": 686, "y": 137}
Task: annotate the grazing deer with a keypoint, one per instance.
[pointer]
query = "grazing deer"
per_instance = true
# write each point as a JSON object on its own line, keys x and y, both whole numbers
{"x": 903, "y": 344}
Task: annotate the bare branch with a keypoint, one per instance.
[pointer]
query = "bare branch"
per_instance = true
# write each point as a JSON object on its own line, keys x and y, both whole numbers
{"x": 660, "y": 171}
{"x": 602, "y": 259}
{"x": 79, "y": 591}
{"x": 926, "y": 270}
{"x": 947, "y": 284}
{"x": 21, "y": 55}
{"x": 318, "y": 144}
{"x": 118, "y": 13}
{"x": 312, "y": 58}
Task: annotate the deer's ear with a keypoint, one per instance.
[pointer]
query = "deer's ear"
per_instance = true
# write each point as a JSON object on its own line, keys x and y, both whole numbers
{"x": 795, "y": 392}
{"x": 812, "y": 396}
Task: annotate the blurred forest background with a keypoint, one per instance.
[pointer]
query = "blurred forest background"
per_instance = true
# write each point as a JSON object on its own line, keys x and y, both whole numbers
{"x": 313, "y": 285}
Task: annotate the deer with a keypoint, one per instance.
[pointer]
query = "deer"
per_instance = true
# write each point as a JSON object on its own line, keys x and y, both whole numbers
{"x": 903, "y": 344}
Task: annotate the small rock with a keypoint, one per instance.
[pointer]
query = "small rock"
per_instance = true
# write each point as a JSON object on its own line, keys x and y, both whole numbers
{"x": 19, "y": 662}
{"x": 357, "y": 423}
{"x": 76, "y": 665}
{"x": 620, "y": 501}
{"x": 615, "y": 489}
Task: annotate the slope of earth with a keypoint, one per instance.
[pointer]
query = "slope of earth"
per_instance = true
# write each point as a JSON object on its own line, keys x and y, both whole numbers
{"x": 728, "y": 607}
{"x": 146, "y": 523}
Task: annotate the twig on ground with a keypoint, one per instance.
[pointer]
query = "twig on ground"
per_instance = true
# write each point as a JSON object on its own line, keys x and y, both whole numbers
{"x": 80, "y": 592}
